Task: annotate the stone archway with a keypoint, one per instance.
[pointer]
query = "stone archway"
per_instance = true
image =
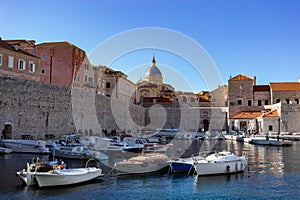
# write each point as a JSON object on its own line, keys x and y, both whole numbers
{"x": 7, "y": 131}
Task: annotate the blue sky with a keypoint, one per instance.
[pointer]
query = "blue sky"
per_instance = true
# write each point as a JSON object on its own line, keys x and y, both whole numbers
{"x": 252, "y": 37}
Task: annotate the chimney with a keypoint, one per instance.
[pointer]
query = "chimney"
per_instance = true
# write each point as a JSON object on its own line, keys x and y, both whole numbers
{"x": 254, "y": 80}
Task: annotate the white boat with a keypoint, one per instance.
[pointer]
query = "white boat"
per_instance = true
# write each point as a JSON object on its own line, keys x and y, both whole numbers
{"x": 26, "y": 146}
{"x": 118, "y": 146}
{"x": 220, "y": 163}
{"x": 57, "y": 177}
{"x": 71, "y": 147}
{"x": 5, "y": 150}
{"x": 143, "y": 164}
{"x": 67, "y": 176}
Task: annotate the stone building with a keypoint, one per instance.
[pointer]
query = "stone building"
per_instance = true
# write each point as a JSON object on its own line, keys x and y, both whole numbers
{"x": 187, "y": 99}
{"x": 116, "y": 85}
{"x": 16, "y": 62}
{"x": 263, "y": 108}
{"x": 60, "y": 63}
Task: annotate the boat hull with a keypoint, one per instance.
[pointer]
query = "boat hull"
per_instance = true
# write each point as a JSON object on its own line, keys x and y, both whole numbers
{"x": 5, "y": 150}
{"x": 211, "y": 168}
{"x": 178, "y": 167}
{"x": 71, "y": 155}
{"x": 67, "y": 176}
{"x": 25, "y": 146}
{"x": 138, "y": 168}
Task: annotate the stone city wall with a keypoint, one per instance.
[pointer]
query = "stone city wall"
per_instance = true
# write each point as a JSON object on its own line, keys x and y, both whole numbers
{"x": 34, "y": 108}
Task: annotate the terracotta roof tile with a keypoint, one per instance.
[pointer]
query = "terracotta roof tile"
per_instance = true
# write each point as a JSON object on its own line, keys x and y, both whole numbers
{"x": 55, "y": 44}
{"x": 272, "y": 113}
{"x": 285, "y": 86}
{"x": 11, "y": 48}
{"x": 240, "y": 77}
{"x": 246, "y": 115}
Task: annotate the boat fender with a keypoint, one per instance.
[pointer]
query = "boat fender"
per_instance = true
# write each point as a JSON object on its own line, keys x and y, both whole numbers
{"x": 178, "y": 150}
{"x": 228, "y": 169}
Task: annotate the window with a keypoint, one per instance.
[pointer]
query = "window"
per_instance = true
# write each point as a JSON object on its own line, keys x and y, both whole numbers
{"x": 240, "y": 102}
{"x": 0, "y": 59}
{"x": 249, "y": 103}
{"x": 108, "y": 95}
{"x": 108, "y": 85}
{"x": 43, "y": 57}
{"x": 266, "y": 102}
{"x": 259, "y": 102}
{"x": 31, "y": 67}
{"x": 86, "y": 66}
{"x": 270, "y": 127}
{"x": 21, "y": 64}
{"x": 43, "y": 71}
{"x": 277, "y": 100}
{"x": 11, "y": 62}
{"x": 85, "y": 78}
{"x": 297, "y": 101}
{"x": 287, "y": 101}
{"x": 91, "y": 80}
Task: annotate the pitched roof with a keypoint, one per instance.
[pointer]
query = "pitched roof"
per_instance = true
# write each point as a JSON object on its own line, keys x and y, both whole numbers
{"x": 240, "y": 77}
{"x": 203, "y": 99}
{"x": 272, "y": 113}
{"x": 261, "y": 88}
{"x": 7, "y": 46}
{"x": 55, "y": 44}
{"x": 29, "y": 42}
{"x": 285, "y": 86}
{"x": 246, "y": 115}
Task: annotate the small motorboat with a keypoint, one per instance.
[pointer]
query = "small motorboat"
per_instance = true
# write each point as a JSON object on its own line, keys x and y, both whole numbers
{"x": 5, "y": 150}
{"x": 220, "y": 163}
{"x": 71, "y": 147}
{"x": 26, "y": 146}
{"x": 144, "y": 163}
{"x": 46, "y": 175}
{"x": 181, "y": 164}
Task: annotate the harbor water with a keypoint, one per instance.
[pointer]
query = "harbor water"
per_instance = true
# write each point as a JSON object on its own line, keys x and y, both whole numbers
{"x": 274, "y": 173}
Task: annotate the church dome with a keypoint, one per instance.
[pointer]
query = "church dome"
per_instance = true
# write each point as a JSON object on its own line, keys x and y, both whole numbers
{"x": 153, "y": 70}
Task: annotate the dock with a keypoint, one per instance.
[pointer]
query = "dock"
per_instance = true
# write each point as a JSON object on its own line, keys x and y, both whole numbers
{"x": 260, "y": 140}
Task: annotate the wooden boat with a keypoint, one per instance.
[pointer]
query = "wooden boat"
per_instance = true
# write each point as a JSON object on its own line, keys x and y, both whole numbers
{"x": 143, "y": 164}
{"x": 220, "y": 163}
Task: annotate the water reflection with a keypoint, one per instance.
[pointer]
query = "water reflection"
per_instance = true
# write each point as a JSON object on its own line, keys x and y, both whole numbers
{"x": 271, "y": 168}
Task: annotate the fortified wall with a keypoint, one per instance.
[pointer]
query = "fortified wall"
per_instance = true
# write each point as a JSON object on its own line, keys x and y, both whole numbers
{"x": 36, "y": 109}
